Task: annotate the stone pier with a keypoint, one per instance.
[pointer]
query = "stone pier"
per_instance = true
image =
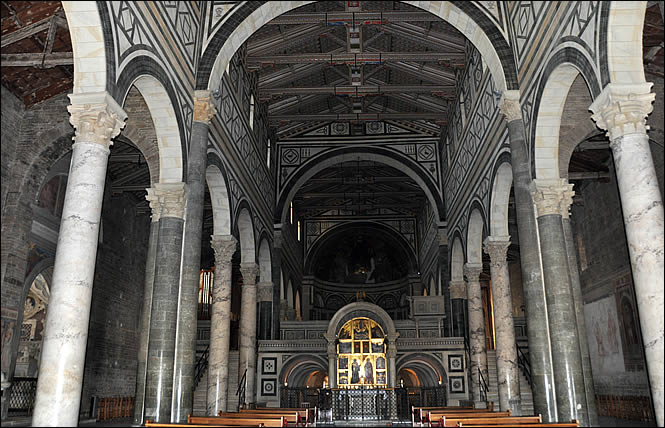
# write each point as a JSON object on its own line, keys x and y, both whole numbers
{"x": 478, "y": 351}
{"x": 220, "y": 325}
{"x": 170, "y": 197}
{"x": 622, "y": 111}
{"x": 506, "y": 353}
{"x": 248, "y": 331}
{"x": 97, "y": 119}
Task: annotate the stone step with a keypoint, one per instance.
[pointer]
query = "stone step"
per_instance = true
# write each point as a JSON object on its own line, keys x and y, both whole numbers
{"x": 200, "y": 399}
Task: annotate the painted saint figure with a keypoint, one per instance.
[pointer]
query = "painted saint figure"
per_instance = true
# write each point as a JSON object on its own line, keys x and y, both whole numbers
{"x": 369, "y": 372}
{"x": 355, "y": 372}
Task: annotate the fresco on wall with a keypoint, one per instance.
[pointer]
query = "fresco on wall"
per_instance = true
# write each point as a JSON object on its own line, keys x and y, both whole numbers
{"x": 603, "y": 334}
{"x": 360, "y": 258}
{"x": 631, "y": 338}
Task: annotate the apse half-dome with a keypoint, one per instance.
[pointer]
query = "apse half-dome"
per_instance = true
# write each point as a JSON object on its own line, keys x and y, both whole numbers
{"x": 360, "y": 255}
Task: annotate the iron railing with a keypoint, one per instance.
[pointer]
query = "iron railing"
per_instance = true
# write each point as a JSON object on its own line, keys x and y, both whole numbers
{"x": 240, "y": 392}
{"x": 482, "y": 383}
{"x": 22, "y": 395}
{"x": 201, "y": 366}
{"x": 523, "y": 363}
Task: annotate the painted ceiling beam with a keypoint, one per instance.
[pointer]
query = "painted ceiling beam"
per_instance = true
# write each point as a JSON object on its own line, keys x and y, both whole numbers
{"x": 359, "y": 58}
{"x": 37, "y": 59}
{"x": 343, "y": 117}
{"x": 353, "y": 18}
{"x": 360, "y": 90}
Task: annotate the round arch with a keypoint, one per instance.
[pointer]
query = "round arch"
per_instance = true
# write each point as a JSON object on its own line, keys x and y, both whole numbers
{"x": 246, "y": 236}
{"x": 502, "y": 183}
{"x": 457, "y": 260}
{"x": 479, "y": 30}
{"x": 625, "y": 27}
{"x": 474, "y": 237}
{"x": 429, "y": 370}
{"x": 375, "y": 154}
{"x": 361, "y": 309}
{"x": 297, "y": 369}
{"x": 219, "y": 198}
{"x": 265, "y": 263}
{"x": 560, "y": 72}
{"x": 384, "y": 231}
{"x": 166, "y": 125}
{"x": 83, "y": 17}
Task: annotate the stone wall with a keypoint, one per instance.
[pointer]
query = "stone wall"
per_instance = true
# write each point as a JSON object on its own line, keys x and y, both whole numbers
{"x": 111, "y": 358}
{"x": 612, "y": 327}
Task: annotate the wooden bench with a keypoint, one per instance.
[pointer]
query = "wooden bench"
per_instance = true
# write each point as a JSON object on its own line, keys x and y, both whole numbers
{"x": 559, "y": 424}
{"x": 421, "y": 414}
{"x": 290, "y": 419}
{"x": 445, "y": 421}
{"x": 220, "y": 421}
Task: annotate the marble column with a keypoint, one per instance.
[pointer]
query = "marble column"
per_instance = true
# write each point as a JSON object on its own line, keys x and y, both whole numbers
{"x": 97, "y": 119}
{"x": 144, "y": 326}
{"x": 264, "y": 295}
{"x": 506, "y": 353}
{"x": 332, "y": 360}
{"x": 576, "y": 289}
{"x": 220, "y": 325}
{"x": 185, "y": 355}
{"x": 622, "y": 111}
{"x": 540, "y": 357}
{"x": 248, "y": 331}
{"x": 550, "y": 197}
{"x": 458, "y": 303}
{"x": 170, "y": 198}
{"x": 391, "y": 354}
{"x": 478, "y": 350}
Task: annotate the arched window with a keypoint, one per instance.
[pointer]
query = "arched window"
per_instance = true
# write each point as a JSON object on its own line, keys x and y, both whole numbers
{"x": 251, "y": 112}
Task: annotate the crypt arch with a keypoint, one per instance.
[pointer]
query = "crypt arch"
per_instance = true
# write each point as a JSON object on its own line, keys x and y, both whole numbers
{"x": 297, "y": 369}
{"x": 428, "y": 369}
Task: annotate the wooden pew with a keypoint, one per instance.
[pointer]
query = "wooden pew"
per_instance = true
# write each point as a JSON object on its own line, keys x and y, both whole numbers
{"x": 445, "y": 421}
{"x": 305, "y": 416}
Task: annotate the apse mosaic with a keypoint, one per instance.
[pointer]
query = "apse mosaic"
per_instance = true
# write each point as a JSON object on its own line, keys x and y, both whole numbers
{"x": 361, "y": 354}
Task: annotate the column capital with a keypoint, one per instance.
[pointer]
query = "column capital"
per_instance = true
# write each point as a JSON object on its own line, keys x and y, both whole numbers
{"x": 168, "y": 199}
{"x": 264, "y": 291}
{"x": 509, "y": 105}
{"x": 457, "y": 289}
{"x": 96, "y": 117}
{"x": 621, "y": 109}
{"x": 552, "y": 196}
{"x": 224, "y": 247}
{"x": 472, "y": 271}
{"x": 497, "y": 248}
{"x": 249, "y": 270}
{"x": 204, "y": 107}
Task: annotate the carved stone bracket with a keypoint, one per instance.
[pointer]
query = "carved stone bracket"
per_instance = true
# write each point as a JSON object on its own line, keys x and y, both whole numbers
{"x": 622, "y": 109}
{"x": 204, "y": 108}
{"x": 497, "y": 248}
{"x": 224, "y": 247}
{"x": 552, "y": 196}
{"x": 168, "y": 199}
{"x": 96, "y": 117}
{"x": 510, "y": 105}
